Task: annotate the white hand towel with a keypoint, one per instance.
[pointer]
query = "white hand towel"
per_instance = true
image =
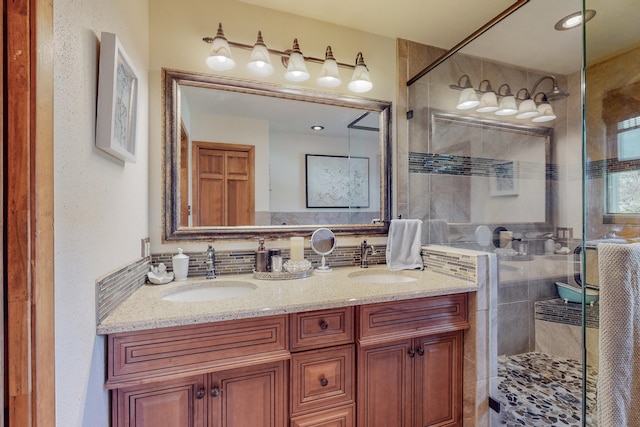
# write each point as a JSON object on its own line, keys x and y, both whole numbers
{"x": 619, "y": 366}
{"x": 404, "y": 249}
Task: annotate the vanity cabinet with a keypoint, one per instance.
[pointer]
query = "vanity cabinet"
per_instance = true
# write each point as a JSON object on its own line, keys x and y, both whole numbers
{"x": 410, "y": 362}
{"x": 394, "y": 364}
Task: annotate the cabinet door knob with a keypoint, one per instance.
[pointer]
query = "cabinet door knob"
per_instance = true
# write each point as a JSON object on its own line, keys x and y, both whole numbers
{"x": 215, "y": 391}
{"x": 412, "y": 352}
{"x": 324, "y": 382}
{"x": 421, "y": 351}
{"x": 323, "y": 325}
{"x": 200, "y": 393}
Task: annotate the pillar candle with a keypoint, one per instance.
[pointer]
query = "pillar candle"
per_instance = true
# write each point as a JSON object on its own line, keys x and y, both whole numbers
{"x": 297, "y": 249}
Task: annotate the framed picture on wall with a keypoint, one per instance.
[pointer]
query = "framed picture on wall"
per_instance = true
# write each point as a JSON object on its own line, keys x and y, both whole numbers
{"x": 503, "y": 179}
{"x": 337, "y": 181}
{"x": 117, "y": 101}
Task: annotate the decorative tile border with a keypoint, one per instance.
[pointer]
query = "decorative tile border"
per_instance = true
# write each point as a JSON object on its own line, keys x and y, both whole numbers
{"x": 115, "y": 287}
{"x": 450, "y": 263}
{"x": 597, "y": 168}
{"x": 557, "y": 311}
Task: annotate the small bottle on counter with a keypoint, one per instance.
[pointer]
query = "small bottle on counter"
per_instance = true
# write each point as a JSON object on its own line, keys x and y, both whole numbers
{"x": 180, "y": 265}
{"x": 262, "y": 257}
{"x": 275, "y": 260}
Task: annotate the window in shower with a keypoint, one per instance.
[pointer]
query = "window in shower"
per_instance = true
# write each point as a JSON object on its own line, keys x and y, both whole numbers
{"x": 622, "y": 118}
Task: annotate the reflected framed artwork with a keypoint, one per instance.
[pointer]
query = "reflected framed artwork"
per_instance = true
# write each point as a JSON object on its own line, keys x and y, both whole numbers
{"x": 337, "y": 181}
{"x": 117, "y": 101}
{"x": 503, "y": 180}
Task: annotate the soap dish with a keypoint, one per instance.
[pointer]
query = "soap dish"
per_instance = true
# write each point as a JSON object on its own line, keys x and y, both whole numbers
{"x": 282, "y": 275}
{"x": 160, "y": 278}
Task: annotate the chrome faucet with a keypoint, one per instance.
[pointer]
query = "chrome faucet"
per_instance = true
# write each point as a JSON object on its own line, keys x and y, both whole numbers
{"x": 364, "y": 251}
{"x": 211, "y": 262}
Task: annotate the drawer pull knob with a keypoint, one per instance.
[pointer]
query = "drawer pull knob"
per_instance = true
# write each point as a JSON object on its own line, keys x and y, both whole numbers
{"x": 215, "y": 391}
{"x": 200, "y": 393}
{"x": 324, "y": 382}
{"x": 412, "y": 352}
{"x": 324, "y": 325}
{"x": 421, "y": 351}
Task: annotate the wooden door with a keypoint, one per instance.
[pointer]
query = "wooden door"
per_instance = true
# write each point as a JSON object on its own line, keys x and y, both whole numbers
{"x": 223, "y": 184}
{"x": 254, "y": 396}
{"x": 438, "y": 373}
{"x": 171, "y": 403}
{"x": 384, "y": 385}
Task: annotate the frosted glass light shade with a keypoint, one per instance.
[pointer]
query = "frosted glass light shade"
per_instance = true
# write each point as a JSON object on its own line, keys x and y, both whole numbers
{"x": 488, "y": 103}
{"x": 219, "y": 58}
{"x": 527, "y": 109}
{"x": 296, "y": 69}
{"x": 507, "y": 106}
{"x": 329, "y": 75}
{"x": 260, "y": 63}
{"x": 468, "y": 99}
{"x": 546, "y": 113}
{"x": 360, "y": 79}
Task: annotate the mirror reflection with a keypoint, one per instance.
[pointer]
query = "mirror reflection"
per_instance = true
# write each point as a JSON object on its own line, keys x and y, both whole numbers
{"x": 257, "y": 158}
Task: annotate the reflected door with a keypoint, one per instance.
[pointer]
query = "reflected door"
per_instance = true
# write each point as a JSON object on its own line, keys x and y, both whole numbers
{"x": 223, "y": 184}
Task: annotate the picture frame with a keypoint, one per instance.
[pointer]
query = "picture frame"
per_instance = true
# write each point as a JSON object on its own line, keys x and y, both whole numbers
{"x": 503, "y": 179}
{"x": 337, "y": 181}
{"x": 117, "y": 107}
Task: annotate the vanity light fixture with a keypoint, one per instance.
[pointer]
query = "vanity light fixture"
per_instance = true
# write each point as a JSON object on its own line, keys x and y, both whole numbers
{"x": 488, "y": 100}
{"x": 260, "y": 62}
{"x": 293, "y": 60}
{"x": 219, "y": 58}
{"x": 329, "y": 75}
{"x": 574, "y": 20}
{"x": 545, "y": 110}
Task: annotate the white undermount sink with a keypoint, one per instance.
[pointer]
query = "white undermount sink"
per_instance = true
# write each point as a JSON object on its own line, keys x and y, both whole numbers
{"x": 381, "y": 277}
{"x": 211, "y": 290}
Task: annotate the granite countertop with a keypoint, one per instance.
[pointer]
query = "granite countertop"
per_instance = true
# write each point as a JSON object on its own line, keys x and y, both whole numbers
{"x": 146, "y": 309}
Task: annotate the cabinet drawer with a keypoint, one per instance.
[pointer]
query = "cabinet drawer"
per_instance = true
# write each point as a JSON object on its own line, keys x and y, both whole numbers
{"x": 323, "y": 328}
{"x": 343, "y": 416}
{"x": 322, "y": 378}
{"x": 145, "y": 356}
{"x": 411, "y": 318}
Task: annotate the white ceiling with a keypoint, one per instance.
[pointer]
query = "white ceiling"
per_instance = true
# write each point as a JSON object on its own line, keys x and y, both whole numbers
{"x": 526, "y": 38}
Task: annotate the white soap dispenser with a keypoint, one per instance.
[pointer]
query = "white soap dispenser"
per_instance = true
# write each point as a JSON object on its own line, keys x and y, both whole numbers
{"x": 180, "y": 264}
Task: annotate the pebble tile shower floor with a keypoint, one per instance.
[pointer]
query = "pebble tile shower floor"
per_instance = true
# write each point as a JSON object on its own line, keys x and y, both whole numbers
{"x": 537, "y": 389}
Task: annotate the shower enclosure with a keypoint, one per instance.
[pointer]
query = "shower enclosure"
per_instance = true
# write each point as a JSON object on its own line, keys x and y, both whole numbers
{"x": 539, "y": 186}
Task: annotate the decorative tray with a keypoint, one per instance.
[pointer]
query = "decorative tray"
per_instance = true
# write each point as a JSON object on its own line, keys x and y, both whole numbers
{"x": 282, "y": 275}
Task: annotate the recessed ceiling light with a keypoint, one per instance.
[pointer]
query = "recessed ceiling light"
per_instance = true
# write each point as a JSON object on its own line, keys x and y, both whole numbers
{"x": 317, "y": 127}
{"x": 574, "y": 20}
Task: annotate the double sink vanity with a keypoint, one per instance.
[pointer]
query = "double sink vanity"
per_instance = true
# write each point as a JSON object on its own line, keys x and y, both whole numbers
{"x": 365, "y": 347}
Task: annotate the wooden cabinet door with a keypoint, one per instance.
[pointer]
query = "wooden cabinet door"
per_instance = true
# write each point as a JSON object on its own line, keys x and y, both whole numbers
{"x": 171, "y": 403}
{"x": 248, "y": 397}
{"x": 384, "y": 385}
{"x": 438, "y": 386}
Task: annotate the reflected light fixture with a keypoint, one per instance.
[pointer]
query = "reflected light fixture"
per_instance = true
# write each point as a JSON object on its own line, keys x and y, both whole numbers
{"x": 507, "y": 105}
{"x": 574, "y": 20}
{"x": 220, "y": 55}
{"x": 296, "y": 69}
{"x": 527, "y": 108}
{"x": 329, "y": 75}
{"x": 260, "y": 62}
{"x": 545, "y": 110}
{"x": 468, "y": 97}
{"x": 488, "y": 100}
{"x": 360, "y": 80}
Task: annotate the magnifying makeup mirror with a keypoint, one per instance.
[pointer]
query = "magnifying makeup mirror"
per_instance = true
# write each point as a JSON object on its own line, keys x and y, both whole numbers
{"x": 323, "y": 241}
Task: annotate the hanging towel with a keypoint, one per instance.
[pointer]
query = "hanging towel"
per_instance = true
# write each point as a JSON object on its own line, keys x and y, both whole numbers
{"x": 619, "y": 366}
{"x": 436, "y": 232}
{"x": 404, "y": 249}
